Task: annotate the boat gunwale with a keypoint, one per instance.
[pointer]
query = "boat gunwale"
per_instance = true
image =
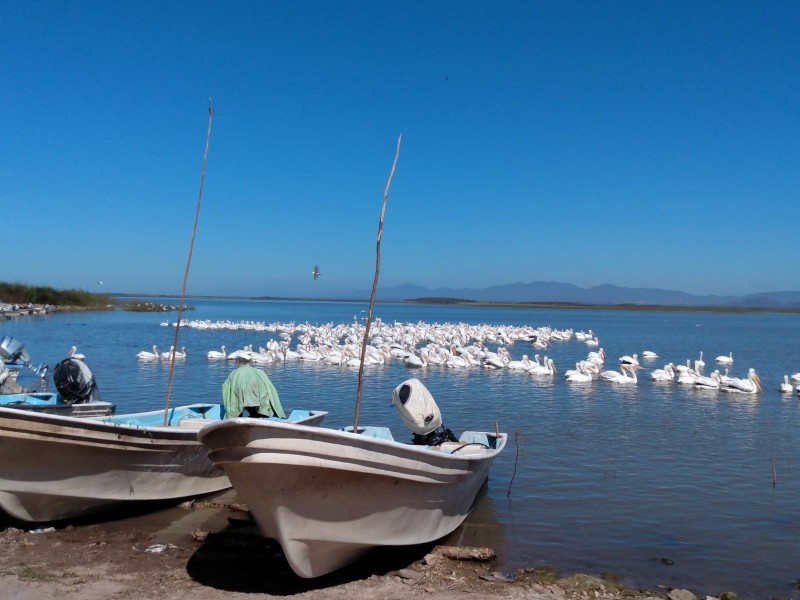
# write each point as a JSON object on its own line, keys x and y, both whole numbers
{"x": 365, "y": 442}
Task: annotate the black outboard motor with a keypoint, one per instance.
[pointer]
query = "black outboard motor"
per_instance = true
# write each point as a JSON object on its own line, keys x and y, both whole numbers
{"x": 75, "y": 382}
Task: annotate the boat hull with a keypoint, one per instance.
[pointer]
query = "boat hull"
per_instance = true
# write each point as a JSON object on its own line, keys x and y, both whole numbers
{"x": 54, "y": 467}
{"x": 329, "y": 496}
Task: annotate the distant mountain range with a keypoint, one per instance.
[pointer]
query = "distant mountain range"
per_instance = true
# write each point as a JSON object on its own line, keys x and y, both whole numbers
{"x": 549, "y": 291}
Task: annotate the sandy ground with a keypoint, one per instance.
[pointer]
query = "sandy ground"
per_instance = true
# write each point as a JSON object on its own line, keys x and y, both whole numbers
{"x": 155, "y": 555}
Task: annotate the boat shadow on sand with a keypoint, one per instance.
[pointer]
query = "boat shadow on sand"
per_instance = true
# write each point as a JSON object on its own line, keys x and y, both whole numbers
{"x": 239, "y": 559}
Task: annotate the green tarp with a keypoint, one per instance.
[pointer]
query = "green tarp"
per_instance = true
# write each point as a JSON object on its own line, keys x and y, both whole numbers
{"x": 248, "y": 387}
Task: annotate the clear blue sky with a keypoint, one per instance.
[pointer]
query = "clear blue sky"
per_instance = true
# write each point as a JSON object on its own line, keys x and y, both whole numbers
{"x": 637, "y": 143}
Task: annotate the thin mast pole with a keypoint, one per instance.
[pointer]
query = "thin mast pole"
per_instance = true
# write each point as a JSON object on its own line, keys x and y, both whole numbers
{"x": 374, "y": 287}
{"x": 188, "y": 263}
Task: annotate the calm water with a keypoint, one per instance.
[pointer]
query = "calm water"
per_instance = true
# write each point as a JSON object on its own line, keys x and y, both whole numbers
{"x": 605, "y": 478}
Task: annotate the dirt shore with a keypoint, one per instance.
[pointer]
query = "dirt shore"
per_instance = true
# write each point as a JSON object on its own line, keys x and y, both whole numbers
{"x": 156, "y": 555}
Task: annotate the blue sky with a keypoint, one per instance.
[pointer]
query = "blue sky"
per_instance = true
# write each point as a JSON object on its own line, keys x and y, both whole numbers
{"x": 642, "y": 144}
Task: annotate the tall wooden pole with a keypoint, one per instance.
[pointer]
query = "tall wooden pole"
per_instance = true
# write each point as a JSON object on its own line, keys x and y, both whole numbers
{"x": 374, "y": 287}
{"x": 188, "y": 264}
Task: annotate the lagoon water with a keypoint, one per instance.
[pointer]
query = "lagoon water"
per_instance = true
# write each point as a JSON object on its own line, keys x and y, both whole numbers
{"x": 660, "y": 483}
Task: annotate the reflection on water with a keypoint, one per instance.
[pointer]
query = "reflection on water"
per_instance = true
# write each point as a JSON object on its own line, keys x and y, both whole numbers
{"x": 605, "y": 477}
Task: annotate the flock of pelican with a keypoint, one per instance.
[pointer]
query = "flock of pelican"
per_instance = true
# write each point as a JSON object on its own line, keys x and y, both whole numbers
{"x": 461, "y": 346}
{"x": 689, "y": 374}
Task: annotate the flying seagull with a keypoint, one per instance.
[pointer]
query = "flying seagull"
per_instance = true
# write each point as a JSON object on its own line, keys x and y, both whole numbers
{"x": 315, "y": 272}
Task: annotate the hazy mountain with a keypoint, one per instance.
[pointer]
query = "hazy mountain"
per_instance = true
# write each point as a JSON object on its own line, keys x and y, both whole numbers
{"x": 551, "y": 291}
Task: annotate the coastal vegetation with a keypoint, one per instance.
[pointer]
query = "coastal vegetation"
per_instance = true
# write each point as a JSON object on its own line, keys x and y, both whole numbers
{"x": 73, "y": 299}
{"x": 18, "y": 293}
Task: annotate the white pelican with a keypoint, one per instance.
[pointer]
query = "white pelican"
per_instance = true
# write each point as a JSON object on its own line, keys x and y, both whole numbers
{"x": 708, "y": 382}
{"x": 145, "y": 355}
{"x": 580, "y": 375}
{"x": 627, "y": 374}
{"x": 597, "y": 357}
{"x": 216, "y": 354}
{"x": 334, "y": 356}
{"x": 242, "y": 355}
{"x": 649, "y": 355}
{"x": 287, "y": 353}
{"x": 795, "y": 377}
{"x": 457, "y": 362}
{"x": 262, "y": 357}
{"x": 306, "y": 353}
{"x": 665, "y": 374}
{"x": 725, "y": 360}
{"x": 179, "y": 354}
{"x": 786, "y": 386}
{"x": 579, "y": 368}
{"x": 699, "y": 363}
{"x": 520, "y": 365}
{"x": 689, "y": 376}
{"x": 547, "y": 368}
{"x": 415, "y": 360}
{"x": 493, "y": 360}
{"x": 749, "y": 385}
{"x": 73, "y": 353}
{"x": 630, "y": 360}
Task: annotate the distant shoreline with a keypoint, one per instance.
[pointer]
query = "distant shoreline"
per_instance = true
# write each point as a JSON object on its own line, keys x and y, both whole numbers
{"x": 485, "y": 304}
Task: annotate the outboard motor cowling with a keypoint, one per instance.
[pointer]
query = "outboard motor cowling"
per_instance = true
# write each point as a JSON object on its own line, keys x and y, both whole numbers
{"x": 12, "y": 350}
{"x": 420, "y": 413}
{"x": 75, "y": 382}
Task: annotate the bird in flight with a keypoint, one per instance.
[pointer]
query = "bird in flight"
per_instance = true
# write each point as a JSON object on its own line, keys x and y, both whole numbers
{"x": 315, "y": 272}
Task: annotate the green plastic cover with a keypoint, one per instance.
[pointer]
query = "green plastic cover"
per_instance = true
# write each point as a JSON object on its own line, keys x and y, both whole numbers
{"x": 248, "y": 387}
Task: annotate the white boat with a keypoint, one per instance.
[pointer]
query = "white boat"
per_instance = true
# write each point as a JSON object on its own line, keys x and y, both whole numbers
{"x": 77, "y": 394}
{"x": 53, "y": 403}
{"x": 328, "y": 496}
{"x": 55, "y": 467}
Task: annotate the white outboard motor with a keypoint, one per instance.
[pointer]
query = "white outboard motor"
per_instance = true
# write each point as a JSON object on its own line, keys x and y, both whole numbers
{"x": 419, "y": 412}
{"x": 75, "y": 382}
{"x": 13, "y": 351}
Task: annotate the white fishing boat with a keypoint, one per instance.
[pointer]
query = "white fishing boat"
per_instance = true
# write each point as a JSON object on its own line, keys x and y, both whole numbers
{"x": 328, "y": 496}
{"x": 77, "y": 393}
{"x": 55, "y": 467}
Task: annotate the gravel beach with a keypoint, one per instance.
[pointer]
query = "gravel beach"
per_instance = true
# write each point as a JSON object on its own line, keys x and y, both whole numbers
{"x": 214, "y": 552}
